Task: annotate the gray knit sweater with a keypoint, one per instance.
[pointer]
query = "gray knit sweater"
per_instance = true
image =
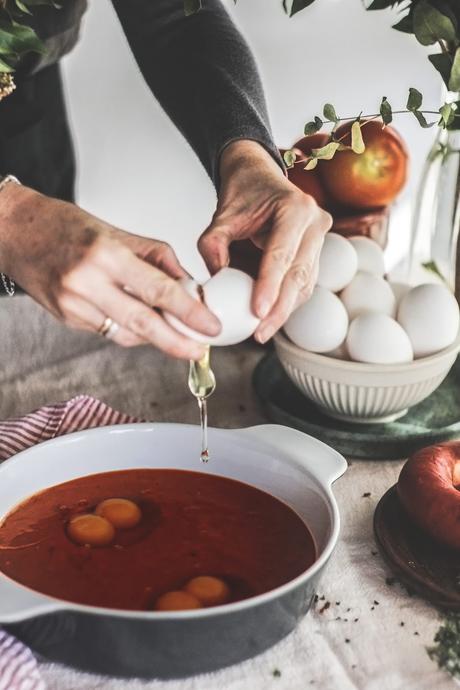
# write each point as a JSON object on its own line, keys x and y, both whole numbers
{"x": 199, "y": 68}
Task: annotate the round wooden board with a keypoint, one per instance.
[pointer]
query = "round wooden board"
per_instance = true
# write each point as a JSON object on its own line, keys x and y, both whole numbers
{"x": 426, "y": 567}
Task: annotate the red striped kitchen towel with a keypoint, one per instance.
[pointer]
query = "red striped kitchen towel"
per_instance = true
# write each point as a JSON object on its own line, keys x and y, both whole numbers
{"x": 18, "y": 667}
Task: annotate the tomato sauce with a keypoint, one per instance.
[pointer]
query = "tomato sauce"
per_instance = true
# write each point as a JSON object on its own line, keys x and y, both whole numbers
{"x": 192, "y": 524}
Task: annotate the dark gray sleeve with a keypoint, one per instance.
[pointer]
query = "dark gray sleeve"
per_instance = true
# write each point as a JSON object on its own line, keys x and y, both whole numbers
{"x": 202, "y": 72}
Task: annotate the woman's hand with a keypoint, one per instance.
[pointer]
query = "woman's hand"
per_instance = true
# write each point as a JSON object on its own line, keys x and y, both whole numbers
{"x": 84, "y": 270}
{"x": 257, "y": 201}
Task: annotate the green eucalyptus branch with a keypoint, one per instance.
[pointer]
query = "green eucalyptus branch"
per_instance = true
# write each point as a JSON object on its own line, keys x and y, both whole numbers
{"x": 446, "y": 116}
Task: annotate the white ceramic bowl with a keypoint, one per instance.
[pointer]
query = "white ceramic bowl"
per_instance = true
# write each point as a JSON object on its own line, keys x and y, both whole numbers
{"x": 359, "y": 392}
{"x": 292, "y": 466}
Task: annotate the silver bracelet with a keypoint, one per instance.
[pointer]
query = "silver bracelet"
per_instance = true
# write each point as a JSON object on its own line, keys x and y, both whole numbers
{"x": 7, "y": 282}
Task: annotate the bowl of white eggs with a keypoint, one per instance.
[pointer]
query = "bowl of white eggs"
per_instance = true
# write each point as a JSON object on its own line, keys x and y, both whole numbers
{"x": 365, "y": 349}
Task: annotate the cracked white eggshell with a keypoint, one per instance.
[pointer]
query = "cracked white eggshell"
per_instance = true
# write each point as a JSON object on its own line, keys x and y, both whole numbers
{"x": 378, "y": 339}
{"x": 319, "y": 325}
{"x": 227, "y": 294}
{"x": 338, "y": 263}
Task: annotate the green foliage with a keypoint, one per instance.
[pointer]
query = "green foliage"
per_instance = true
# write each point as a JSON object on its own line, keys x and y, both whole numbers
{"x": 17, "y": 39}
{"x": 289, "y": 158}
{"x": 314, "y": 126}
{"x": 329, "y": 113}
{"x": 415, "y": 99}
{"x": 357, "y": 141}
{"x": 446, "y": 651}
{"x": 431, "y": 25}
{"x": 386, "y": 111}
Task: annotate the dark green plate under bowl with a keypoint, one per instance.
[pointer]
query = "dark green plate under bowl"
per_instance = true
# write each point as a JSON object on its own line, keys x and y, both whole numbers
{"x": 435, "y": 419}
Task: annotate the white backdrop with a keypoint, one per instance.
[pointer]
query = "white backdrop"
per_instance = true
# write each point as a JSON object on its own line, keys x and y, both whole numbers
{"x": 135, "y": 169}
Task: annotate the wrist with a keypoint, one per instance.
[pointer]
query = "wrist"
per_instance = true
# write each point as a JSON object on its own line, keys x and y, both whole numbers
{"x": 15, "y": 204}
{"x": 243, "y": 155}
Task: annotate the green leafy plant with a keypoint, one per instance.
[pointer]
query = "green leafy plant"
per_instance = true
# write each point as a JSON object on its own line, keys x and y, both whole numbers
{"x": 433, "y": 23}
{"x": 16, "y": 38}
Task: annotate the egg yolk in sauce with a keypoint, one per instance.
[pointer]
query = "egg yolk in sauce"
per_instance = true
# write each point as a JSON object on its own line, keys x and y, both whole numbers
{"x": 120, "y": 512}
{"x": 91, "y": 530}
{"x": 210, "y": 591}
{"x": 154, "y": 539}
{"x": 177, "y": 601}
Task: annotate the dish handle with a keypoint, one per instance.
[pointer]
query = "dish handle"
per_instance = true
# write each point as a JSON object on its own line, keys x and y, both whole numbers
{"x": 18, "y": 603}
{"x": 320, "y": 459}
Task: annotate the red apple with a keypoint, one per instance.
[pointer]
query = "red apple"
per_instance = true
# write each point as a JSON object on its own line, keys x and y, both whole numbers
{"x": 370, "y": 179}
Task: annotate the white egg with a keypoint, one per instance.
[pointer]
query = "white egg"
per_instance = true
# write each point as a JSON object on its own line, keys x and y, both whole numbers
{"x": 399, "y": 290}
{"x": 430, "y": 315}
{"x": 319, "y": 325}
{"x": 378, "y": 339}
{"x": 370, "y": 255}
{"x": 227, "y": 295}
{"x": 368, "y": 292}
{"x": 338, "y": 263}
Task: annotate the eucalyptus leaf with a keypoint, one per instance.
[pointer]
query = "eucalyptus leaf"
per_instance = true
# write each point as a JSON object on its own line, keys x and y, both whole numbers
{"x": 289, "y": 158}
{"x": 311, "y": 165}
{"x": 386, "y": 111}
{"x": 447, "y": 112}
{"x": 313, "y": 127}
{"x": 357, "y": 141}
{"x": 431, "y": 25}
{"x": 285, "y": 7}
{"x": 454, "y": 79}
{"x": 298, "y": 5}
{"x": 414, "y": 100}
{"x": 326, "y": 152}
{"x": 329, "y": 113}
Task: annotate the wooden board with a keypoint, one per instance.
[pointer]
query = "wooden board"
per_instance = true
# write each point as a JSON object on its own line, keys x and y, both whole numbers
{"x": 428, "y": 568}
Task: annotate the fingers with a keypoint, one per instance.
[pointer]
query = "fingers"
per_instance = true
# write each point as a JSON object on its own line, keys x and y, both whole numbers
{"x": 132, "y": 315}
{"x": 164, "y": 257}
{"x": 214, "y": 245}
{"x": 288, "y": 229}
{"x": 156, "y": 289}
{"x": 297, "y": 285}
{"x": 81, "y": 314}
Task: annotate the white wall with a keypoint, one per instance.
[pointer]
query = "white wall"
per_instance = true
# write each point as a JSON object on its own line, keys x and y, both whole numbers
{"x": 136, "y": 170}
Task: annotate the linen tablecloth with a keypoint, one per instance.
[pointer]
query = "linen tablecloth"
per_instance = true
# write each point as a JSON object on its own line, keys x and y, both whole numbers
{"x": 366, "y": 633}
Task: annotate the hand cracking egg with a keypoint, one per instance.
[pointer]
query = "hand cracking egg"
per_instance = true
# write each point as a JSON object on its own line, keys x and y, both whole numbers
{"x": 228, "y": 295}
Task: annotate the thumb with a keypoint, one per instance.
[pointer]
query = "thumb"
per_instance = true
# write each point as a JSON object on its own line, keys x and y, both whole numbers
{"x": 213, "y": 246}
